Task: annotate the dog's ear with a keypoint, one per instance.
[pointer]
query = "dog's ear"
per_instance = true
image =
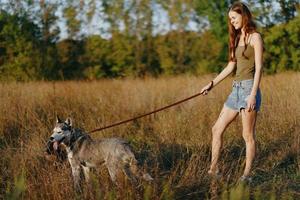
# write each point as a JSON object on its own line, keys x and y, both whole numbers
{"x": 58, "y": 120}
{"x": 68, "y": 121}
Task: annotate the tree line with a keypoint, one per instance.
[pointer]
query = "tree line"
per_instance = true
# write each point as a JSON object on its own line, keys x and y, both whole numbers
{"x": 129, "y": 41}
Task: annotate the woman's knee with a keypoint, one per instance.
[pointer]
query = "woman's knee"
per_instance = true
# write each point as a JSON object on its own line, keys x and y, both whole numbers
{"x": 249, "y": 136}
{"x": 217, "y": 130}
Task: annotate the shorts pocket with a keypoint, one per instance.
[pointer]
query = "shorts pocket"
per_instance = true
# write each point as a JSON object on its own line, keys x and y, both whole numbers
{"x": 247, "y": 89}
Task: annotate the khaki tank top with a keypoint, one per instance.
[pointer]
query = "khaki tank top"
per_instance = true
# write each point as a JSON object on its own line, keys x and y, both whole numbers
{"x": 245, "y": 68}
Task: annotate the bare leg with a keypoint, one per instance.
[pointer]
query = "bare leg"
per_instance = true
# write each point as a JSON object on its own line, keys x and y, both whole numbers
{"x": 248, "y": 121}
{"x": 227, "y": 115}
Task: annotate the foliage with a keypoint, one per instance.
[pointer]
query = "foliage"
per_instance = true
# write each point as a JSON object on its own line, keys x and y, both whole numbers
{"x": 282, "y": 45}
{"x": 33, "y": 46}
{"x": 20, "y": 55}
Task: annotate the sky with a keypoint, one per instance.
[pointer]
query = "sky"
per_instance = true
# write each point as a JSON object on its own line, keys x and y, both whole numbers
{"x": 98, "y": 26}
{"x": 160, "y": 22}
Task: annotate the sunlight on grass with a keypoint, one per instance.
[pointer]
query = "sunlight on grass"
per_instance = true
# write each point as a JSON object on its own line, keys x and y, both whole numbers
{"x": 173, "y": 145}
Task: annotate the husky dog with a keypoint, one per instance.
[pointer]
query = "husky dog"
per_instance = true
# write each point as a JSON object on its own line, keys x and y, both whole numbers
{"x": 83, "y": 153}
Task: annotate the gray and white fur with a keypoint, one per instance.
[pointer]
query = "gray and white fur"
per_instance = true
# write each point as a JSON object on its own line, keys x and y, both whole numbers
{"x": 84, "y": 153}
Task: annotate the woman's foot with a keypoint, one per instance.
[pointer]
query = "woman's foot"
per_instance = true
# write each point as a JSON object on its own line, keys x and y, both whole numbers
{"x": 245, "y": 179}
{"x": 214, "y": 174}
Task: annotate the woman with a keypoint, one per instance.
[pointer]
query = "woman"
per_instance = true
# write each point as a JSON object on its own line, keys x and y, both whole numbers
{"x": 245, "y": 57}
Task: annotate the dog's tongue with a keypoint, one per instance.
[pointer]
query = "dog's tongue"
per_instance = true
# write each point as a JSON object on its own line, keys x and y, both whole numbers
{"x": 55, "y": 145}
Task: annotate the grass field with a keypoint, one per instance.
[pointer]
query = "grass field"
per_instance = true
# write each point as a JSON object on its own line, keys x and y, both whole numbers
{"x": 173, "y": 145}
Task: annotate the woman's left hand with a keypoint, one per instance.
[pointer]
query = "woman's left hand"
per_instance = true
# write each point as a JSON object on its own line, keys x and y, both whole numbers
{"x": 251, "y": 101}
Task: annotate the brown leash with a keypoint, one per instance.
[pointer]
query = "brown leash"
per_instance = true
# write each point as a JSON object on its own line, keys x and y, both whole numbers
{"x": 149, "y": 113}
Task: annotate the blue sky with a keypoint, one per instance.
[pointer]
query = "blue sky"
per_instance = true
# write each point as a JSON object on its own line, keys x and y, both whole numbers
{"x": 160, "y": 22}
{"x": 98, "y": 26}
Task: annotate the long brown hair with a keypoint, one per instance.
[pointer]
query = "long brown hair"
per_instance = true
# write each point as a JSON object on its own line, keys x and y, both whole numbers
{"x": 234, "y": 35}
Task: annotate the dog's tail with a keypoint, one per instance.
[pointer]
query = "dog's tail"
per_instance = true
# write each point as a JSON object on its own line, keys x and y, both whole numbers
{"x": 147, "y": 177}
{"x": 138, "y": 172}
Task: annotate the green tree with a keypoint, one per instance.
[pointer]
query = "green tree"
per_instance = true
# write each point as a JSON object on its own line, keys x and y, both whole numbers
{"x": 269, "y": 12}
{"x": 20, "y": 55}
{"x": 282, "y": 43}
{"x": 70, "y": 54}
{"x": 204, "y": 53}
{"x": 173, "y": 50}
{"x": 73, "y": 20}
{"x": 94, "y": 58}
{"x": 288, "y": 10}
{"x": 216, "y": 13}
{"x": 47, "y": 21}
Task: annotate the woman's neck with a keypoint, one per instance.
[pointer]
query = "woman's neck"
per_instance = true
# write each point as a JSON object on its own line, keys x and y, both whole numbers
{"x": 243, "y": 31}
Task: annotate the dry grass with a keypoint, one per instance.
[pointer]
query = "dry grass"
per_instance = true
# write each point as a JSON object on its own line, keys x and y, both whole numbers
{"x": 174, "y": 145}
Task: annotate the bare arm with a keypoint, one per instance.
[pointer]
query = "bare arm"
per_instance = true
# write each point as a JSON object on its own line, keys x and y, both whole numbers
{"x": 258, "y": 53}
{"x": 257, "y": 44}
{"x": 225, "y": 72}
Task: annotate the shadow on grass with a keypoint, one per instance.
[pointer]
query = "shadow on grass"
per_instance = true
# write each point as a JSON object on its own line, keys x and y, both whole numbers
{"x": 179, "y": 171}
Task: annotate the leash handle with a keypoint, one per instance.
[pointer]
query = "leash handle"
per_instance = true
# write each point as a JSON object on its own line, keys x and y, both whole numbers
{"x": 149, "y": 113}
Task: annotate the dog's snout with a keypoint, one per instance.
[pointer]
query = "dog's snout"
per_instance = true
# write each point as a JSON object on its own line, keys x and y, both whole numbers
{"x": 51, "y": 138}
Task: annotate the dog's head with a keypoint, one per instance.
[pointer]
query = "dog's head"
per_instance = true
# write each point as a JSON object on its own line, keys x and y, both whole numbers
{"x": 61, "y": 135}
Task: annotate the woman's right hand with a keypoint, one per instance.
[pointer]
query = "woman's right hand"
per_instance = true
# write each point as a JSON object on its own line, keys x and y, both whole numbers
{"x": 207, "y": 88}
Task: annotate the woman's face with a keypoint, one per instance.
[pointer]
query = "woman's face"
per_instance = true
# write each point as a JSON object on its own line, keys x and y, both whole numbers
{"x": 235, "y": 19}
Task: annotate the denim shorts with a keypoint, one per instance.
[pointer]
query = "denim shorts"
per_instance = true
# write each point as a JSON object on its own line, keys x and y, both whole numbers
{"x": 241, "y": 90}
